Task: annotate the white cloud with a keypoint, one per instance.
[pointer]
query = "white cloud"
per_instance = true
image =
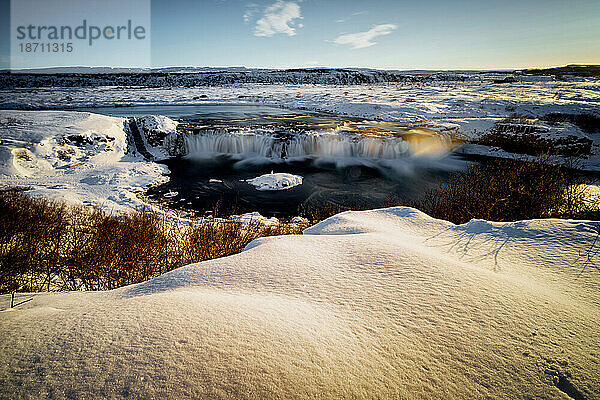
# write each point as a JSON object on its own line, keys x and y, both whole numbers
{"x": 360, "y": 40}
{"x": 279, "y": 18}
{"x": 251, "y": 10}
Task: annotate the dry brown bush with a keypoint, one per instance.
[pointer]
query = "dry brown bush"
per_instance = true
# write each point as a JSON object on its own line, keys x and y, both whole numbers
{"x": 47, "y": 245}
{"x": 508, "y": 190}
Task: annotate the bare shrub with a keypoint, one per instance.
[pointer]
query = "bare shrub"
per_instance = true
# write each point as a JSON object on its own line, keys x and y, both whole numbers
{"x": 116, "y": 251}
{"x": 318, "y": 212}
{"x": 322, "y": 211}
{"x": 222, "y": 238}
{"x": 31, "y": 233}
{"x": 47, "y": 245}
{"x": 505, "y": 190}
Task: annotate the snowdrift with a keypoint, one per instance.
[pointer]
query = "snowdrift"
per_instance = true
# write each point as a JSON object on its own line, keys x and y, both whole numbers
{"x": 376, "y": 304}
{"x": 78, "y": 157}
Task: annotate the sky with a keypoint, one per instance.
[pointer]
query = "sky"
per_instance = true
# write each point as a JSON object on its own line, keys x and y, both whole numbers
{"x": 420, "y": 34}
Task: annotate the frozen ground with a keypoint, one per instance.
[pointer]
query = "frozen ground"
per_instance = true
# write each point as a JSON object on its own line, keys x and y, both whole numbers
{"x": 77, "y": 157}
{"x": 377, "y": 304}
{"x": 479, "y": 97}
{"x": 466, "y": 108}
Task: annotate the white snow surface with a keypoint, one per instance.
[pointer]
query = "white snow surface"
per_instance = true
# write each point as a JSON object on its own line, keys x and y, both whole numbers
{"x": 464, "y": 108}
{"x": 255, "y": 218}
{"x": 77, "y": 157}
{"x": 158, "y": 123}
{"x": 376, "y": 304}
{"x": 275, "y": 181}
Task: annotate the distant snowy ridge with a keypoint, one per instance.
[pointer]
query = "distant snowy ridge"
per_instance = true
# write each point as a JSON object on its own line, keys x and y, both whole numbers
{"x": 221, "y": 77}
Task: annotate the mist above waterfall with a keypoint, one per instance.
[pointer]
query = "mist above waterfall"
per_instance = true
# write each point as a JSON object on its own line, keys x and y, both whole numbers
{"x": 323, "y": 149}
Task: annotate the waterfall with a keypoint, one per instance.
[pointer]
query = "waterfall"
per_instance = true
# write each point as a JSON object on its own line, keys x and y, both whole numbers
{"x": 345, "y": 146}
{"x": 231, "y": 143}
{"x": 299, "y": 145}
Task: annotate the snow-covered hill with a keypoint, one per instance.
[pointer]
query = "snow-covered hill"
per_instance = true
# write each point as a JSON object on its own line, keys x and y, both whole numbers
{"x": 377, "y": 304}
{"x": 78, "y": 157}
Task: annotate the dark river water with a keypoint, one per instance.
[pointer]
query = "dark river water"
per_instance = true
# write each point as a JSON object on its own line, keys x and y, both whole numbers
{"x": 202, "y": 186}
{"x": 344, "y": 161}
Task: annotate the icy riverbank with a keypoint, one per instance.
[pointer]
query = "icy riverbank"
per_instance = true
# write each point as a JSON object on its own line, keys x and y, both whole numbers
{"x": 78, "y": 157}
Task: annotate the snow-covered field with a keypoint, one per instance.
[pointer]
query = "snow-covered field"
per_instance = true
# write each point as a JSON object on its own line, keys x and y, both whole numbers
{"x": 478, "y": 97}
{"x": 77, "y": 157}
{"x": 466, "y": 108}
{"x": 375, "y": 304}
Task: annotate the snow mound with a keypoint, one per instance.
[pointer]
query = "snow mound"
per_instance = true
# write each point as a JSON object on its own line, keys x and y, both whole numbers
{"x": 73, "y": 156}
{"x": 376, "y": 304}
{"x": 158, "y": 123}
{"x": 278, "y": 181}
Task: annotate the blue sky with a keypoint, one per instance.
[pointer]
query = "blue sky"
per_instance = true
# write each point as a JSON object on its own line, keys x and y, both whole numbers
{"x": 424, "y": 34}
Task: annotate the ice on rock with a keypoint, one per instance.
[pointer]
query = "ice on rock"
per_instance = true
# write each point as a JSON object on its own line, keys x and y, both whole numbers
{"x": 275, "y": 181}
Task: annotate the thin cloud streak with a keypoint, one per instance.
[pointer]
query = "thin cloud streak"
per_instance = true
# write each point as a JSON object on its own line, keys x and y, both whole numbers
{"x": 343, "y": 20}
{"x": 361, "y": 40}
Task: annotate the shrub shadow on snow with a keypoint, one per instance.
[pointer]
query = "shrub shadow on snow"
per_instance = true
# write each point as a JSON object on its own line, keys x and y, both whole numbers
{"x": 480, "y": 240}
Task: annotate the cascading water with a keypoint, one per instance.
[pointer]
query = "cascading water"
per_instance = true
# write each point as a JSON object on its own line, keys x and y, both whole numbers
{"x": 342, "y": 162}
{"x": 299, "y": 145}
{"x": 224, "y": 142}
{"x": 344, "y": 146}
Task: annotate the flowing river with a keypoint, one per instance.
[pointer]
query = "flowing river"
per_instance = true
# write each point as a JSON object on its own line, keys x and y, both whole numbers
{"x": 344, "y": 161}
